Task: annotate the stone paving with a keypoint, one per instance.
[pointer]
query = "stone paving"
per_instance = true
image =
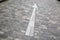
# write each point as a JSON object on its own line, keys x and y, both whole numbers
{"x": 15, "y": 16}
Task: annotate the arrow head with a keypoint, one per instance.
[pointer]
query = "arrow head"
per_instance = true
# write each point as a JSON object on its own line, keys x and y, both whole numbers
{"x": 35, "y": 6}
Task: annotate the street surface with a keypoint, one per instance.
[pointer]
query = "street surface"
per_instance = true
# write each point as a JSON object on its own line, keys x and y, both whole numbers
{"x": 15, "y": 15}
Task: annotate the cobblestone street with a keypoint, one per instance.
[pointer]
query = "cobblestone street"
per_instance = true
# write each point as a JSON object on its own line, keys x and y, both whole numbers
{"x": 15, "y": 16}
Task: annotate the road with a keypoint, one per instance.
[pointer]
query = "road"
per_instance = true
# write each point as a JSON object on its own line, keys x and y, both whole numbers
{"x": 15, "y": 16}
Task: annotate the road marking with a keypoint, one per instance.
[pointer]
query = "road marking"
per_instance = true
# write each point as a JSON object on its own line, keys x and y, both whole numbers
{"x": 17, "y": 39}
{"x": 30, "y": 28}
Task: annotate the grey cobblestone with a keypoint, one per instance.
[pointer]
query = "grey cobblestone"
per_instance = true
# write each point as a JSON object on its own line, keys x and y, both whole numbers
{"x": 15, "y": 16}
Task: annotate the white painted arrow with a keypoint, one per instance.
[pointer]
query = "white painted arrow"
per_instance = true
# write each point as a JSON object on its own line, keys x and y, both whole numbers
{"x": 30, "y": 28}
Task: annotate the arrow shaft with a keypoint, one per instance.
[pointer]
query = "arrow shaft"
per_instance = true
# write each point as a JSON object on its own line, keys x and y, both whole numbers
{"x": 30, "y": 28}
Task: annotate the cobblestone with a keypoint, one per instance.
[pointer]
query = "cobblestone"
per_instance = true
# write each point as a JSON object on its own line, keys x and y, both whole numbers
{"x": 15, "y": 16}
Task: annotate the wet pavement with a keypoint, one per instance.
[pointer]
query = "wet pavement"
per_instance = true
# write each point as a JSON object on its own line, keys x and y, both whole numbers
{"x": 15, "y": 16}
